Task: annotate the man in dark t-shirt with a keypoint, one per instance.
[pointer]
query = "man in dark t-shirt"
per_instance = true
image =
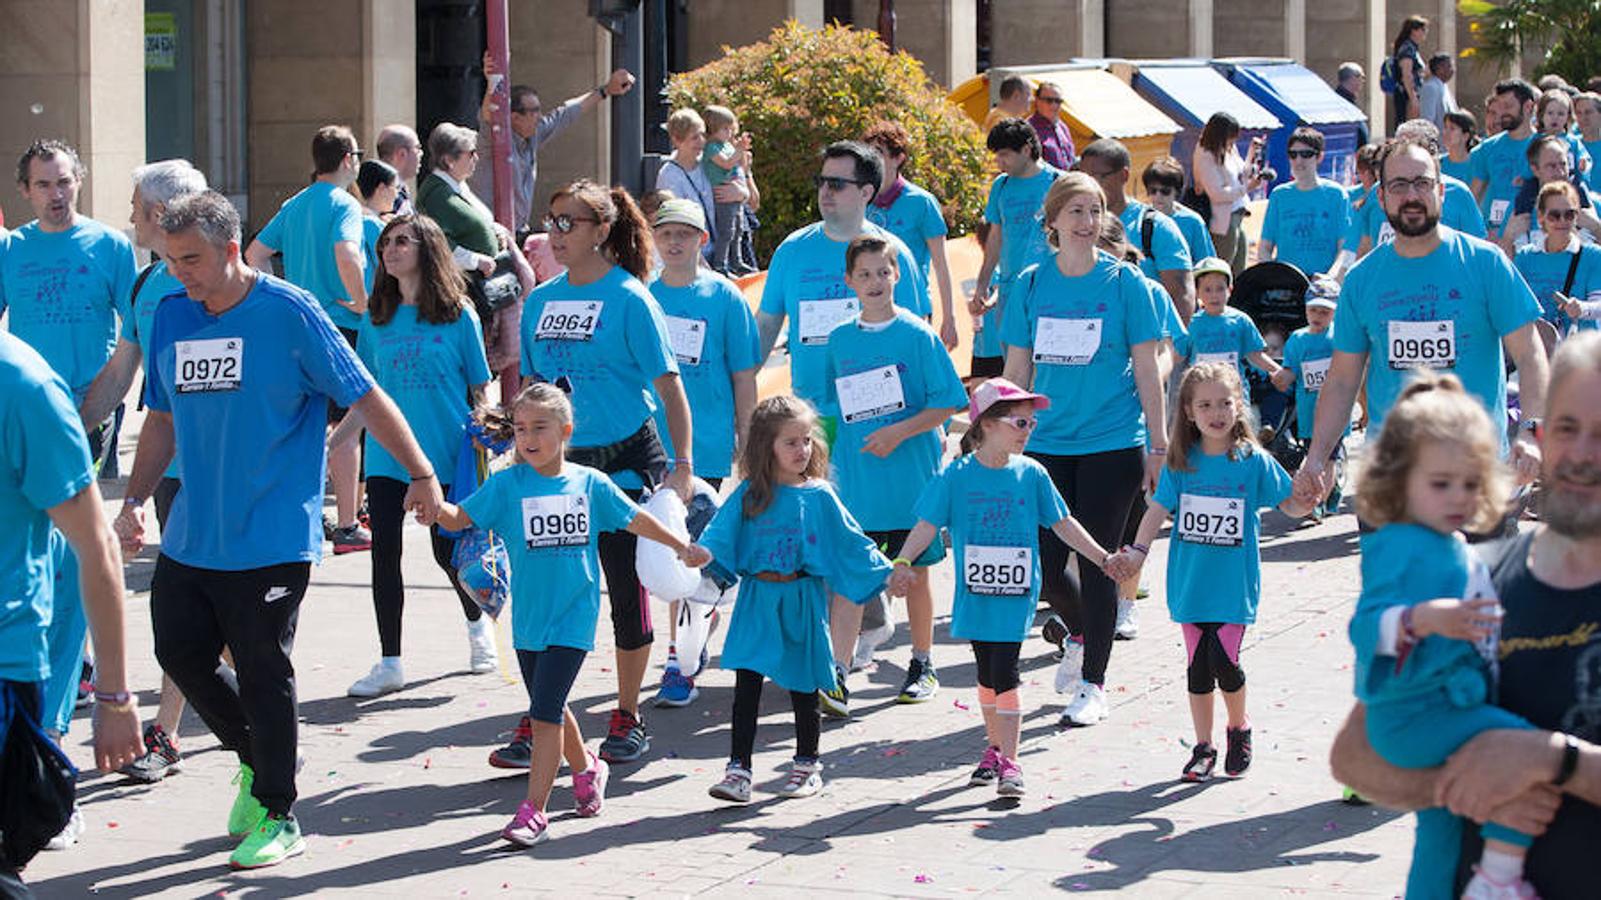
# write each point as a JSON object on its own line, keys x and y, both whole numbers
{"x": 1545, "y": 781}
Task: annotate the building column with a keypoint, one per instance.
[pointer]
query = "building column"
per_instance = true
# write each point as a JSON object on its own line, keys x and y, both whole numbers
{"x": 388, "y": 66}
{"x": 1377, "y": 51}
{"x": 1443, "y": 29}
{"x": 1295, "y": 29}
{"x": 942, "y": 34}
{"x": 1092, "y": 28}
{"x": 1201, "y": 29}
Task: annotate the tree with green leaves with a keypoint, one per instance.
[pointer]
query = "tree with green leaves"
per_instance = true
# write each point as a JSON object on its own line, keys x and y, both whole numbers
{"x": 1503, "y": 33}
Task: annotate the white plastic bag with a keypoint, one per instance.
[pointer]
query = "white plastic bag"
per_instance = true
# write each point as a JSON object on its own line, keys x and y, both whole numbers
{"x": 658, "y": 566}
{"x": 695, "y": 623}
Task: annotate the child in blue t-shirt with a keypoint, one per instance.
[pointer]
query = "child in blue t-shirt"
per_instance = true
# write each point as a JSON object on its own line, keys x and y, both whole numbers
{"x": 1218, "y": 332}
{"x": 1216, "y": 481}
{"x": 792, "y": 543}
{"x": 724, "y": 158}
{"x": 1426, "y": 623}
{"x": 1306, "y": 364}
{"x": 549, "y": 513}
{"x": 995, "y": 500}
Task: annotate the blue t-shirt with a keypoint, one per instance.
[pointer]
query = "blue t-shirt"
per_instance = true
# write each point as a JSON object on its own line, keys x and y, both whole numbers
{"x": 1461, "y": 299}
{"x": 248, "y": 392}
{"x": 1016, "y": 206}
{"x": 806, "y": 284}
{"x": 1197, "y": 236}
{"x": 915, "y": 218}
{"x": 427, "y": 370}
{"x": 1461, "y": 171}
{"x": 1225, "y": 338}
{"x": 879, "y": 375}
{"x": 1306, "y": 355}
{"x": 713, "y": 334}
{"x": 1168, "y": 248}
{"x": 1593, "y": 177}
{"x": 1214, "y": 566}
{"x": 371, "y": 228}
{"x": 1500, "y": 162}
{"x": 609, "y": 339}
{"x": 1459, "y": 212}
{"x": 995, "y": 516}
{"x": 44, "y": 462}
{"x": 550, "y": 526}
{"x": 305, "y": 229}
{"x": 1081, "y": 331}
{"x": 1546, "y": 274}
{"x": 136, "y": 327}
{"x": 1306, "y": 226}
{"x": 65, "y": 291}
{"x": 1167, "y": 317}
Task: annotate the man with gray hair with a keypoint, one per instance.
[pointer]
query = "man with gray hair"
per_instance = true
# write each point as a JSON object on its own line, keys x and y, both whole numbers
{"x": 242, "y": 367}
{"x": 399, "y": 146}
{"x": 1544, "y": 781}
{"x": 1349, "y": 82}
{"x": 155, "y": 185}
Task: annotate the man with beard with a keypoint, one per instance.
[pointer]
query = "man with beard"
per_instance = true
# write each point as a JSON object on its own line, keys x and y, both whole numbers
{"x": 1499, "y": 163}
{"x": 1431, "y": 298}
{"x": 1545, "y": 781}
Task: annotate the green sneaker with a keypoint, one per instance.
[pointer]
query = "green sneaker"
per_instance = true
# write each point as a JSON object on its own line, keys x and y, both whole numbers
{"x": 247, "y": 811}
{"x": 276, "y": 839}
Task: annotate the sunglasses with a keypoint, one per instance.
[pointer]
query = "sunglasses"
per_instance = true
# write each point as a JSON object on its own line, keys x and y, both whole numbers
{"x": 1053, "y": 101}
{"x": 1021, "y": 423}
{"x": 1160, "y": 191}
{"x": 1301, "y": 154}
{"x": 565, "y": 224}
{"x": 834, "y": 183}
{"x": 1561, "y": 215}
{"x": 401, "y": 241}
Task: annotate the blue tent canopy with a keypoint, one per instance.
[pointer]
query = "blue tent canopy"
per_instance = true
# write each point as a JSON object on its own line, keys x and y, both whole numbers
{"x": 1297, "y": 96}
{"x": 1191, "y": 91}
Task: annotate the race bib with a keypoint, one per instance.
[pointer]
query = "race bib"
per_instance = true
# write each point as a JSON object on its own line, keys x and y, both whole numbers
{"x": 1313, "y": 372}
{"x": 1498, "y": 211}
{"x": 1066, "y": 342}
{"x": 1386, "y": 233}
{"x": 1218, "y": 521}
{"x": 205, "y": 366}
{"x": 819, "y": 317}
{"x": 868, "y": 395}
{"x": 688, "y": 337}
{"x": 568, "y": 320}
{"x": 1230, "y": 359}
{"x": 998, "y": 571}
{"x": 1416, "y": 345}
{"x": 558, "y": 520}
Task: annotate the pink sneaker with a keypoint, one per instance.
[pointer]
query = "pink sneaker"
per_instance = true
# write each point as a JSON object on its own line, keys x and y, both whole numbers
{"x": 527, "y": 828}
{"x": 589, "y": 787}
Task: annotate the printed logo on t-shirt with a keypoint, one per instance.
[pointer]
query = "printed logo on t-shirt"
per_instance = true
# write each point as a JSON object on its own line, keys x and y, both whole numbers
{"x": 559, "y": 520}
{"x": 210, "y": 365}
{"x": 568, "y": 320}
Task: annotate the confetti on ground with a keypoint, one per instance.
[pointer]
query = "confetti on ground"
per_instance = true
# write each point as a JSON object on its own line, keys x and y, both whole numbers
{"x": 959, "y": 704}
{"x": 923, "y": 879}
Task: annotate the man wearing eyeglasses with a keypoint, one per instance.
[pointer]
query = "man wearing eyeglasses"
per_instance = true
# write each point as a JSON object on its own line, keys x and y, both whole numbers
{"x": 1307, "y": 217}
{"x": 531, "y": 127}
{"x": 806, "y": 278}
{"x": 1431, "y": 298}
{"x": 1056, "y": 142}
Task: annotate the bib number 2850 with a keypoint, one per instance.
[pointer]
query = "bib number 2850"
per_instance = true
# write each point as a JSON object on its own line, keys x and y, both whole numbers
{"x": 998, "y": 571}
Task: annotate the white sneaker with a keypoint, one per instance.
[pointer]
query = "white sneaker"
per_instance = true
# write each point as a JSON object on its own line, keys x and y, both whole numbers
{"x": 1483, "y": 887}
{"x": 1128, "y": 623}
{"x": 1069, "y": 670}
{"x": 386, "y": 677}
{"x": 1088, "y": 707}
{"x": 481, "y": 638}
{"x": 805, "y": 779}
{"x": 868, "y": 643}
{"x": 70, "y": 833}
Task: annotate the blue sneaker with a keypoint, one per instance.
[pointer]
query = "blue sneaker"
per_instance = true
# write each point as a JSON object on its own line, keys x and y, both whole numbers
{"x": 676, "y": 690}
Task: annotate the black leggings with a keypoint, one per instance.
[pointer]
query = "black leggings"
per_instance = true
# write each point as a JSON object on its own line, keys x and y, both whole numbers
{"x": 386, "y": 508}
{"x": 996, "y": 664}
{"x": 1099, "y": 489}
{"x": 747, "y": 704}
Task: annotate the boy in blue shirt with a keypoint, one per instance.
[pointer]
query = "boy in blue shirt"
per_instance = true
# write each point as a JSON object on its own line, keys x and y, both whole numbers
{"x": 1306, "y": 363}
{"x": 1220, "y": 333}
{"x": 1307, "y": 217}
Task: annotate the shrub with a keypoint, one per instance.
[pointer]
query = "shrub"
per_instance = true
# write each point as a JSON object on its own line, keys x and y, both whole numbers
{"x": 803, "y": 89}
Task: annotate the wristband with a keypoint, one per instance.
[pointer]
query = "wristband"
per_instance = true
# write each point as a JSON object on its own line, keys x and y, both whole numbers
{"x": 1407, "y": 633}
{"x": 1157, "y": 451}
{"x": 1144, "y": 550}
{"x": 901, "y": 561}
{"x": 429, "y": 477}
{"x": 1570, "y": 760}
{"x": 113, "y": 697}
{"x": 132, "y": 501}
{"x": 602, "y": 92}
{"x": 683, "y": 463}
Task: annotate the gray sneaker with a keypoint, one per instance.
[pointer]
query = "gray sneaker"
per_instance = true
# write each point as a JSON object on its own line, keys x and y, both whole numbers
{"x": 160, "y": 759}
{"x": 735, "y": 786}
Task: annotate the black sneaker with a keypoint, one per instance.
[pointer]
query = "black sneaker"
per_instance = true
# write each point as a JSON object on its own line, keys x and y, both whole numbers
{"x": 627, "y": 739}
{"x": 922, "y": 683}
{"x": 1055, "y": 633}
{"x": 160, "y": 759}
{"x": 1203, "y": 759}
{"x": 86, "y": 686}
{"x": 835, "y": 704}
{"x": 1238, "y": 759}
{"x": 519, "y": 754}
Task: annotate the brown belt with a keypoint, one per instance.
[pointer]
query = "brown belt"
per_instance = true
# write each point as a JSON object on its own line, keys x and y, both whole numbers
{"x": 779, "y": 577}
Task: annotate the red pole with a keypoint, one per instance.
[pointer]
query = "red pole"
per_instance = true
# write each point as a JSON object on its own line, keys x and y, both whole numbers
{"x": 500, "y": 125}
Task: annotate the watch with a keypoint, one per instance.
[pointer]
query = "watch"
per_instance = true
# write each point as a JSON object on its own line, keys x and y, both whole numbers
{"x": 602, "y": 92}
{"x": 1570, "y": 760}
{"x": 1531, "y": 424}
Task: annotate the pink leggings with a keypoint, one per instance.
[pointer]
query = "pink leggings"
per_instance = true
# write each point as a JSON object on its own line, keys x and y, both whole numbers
{"x": 1214, "y": 655}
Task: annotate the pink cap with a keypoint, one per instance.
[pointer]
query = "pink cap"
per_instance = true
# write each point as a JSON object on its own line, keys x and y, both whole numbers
{"x": 999, "y": 390}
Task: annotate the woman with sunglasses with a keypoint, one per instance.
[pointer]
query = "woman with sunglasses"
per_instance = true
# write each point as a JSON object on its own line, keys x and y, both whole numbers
{"x": 1306, "y": 217}
{"x": 1082, "y": 331}
{"x": 1563, "y": 271}
{"x": 475, "y": 239}
{"x": 422, "y": 343}
{"x": 597, "y": 329}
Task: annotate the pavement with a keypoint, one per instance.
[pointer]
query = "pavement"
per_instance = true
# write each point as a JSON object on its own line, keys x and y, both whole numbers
{"x": 397, "y": 800}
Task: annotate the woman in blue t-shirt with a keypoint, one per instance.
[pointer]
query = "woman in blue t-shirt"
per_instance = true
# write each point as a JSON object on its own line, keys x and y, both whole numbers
{"x": 1083, "y": 332}
{"x": 1563, "y": 272}
{"x": 422, "y": 343}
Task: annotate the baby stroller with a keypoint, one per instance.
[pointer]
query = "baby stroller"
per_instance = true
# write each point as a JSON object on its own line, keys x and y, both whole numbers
{"x": 1273, "y": 295}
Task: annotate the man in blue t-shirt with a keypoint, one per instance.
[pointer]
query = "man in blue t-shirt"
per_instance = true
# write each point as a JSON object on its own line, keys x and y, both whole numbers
{"x": 242, "y": 369}
{"x": 46, "y": 480}
{"x": 1432, "y": 298}
{"x": 319, "y": 231}
{"x": 1167, "y": 255}
{"x": 1499, "y": 163}
{"x": 1016, "y": 237}
{"x": 1307, "y": 217}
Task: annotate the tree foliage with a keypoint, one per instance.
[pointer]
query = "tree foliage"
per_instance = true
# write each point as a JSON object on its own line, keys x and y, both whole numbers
{"x": 1505, "y": 31}
{"x": 803, "y": 89}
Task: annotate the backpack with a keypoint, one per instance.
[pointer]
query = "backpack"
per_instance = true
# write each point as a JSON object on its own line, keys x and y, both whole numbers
{"x": 1196, "y": 199}
{"x": 1147, "y": 230}
{"x": 1390, "y": 76}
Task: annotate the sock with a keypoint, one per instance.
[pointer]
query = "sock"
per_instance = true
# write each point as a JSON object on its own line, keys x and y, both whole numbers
{"x": 392, "y": 662}
{"x": 921, "y": 656}
{"x": 1501, "y": 867}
